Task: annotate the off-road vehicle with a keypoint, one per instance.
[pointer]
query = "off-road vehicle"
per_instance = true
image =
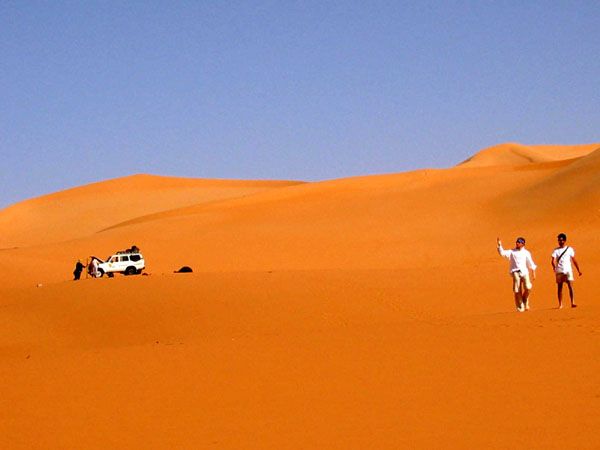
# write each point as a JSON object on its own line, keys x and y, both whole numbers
{"x": 127, "y": 263}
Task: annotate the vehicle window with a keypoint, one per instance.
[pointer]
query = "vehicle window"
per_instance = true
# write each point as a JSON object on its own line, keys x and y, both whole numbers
{"x": 113, "y": 259}
{"x": 124, "y": 258}
{"x": 135, "y": 257}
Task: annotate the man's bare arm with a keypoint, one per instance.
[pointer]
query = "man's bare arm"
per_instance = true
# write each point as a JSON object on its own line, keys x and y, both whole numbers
{"x": 576, "y": 265}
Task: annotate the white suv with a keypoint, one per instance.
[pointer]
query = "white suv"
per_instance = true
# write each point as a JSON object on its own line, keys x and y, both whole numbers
{"x": 122, "y": 262}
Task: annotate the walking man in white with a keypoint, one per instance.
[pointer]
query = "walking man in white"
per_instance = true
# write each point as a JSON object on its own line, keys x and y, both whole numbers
{"x": 561, "y": 263}
{"x": 520, "y": 263}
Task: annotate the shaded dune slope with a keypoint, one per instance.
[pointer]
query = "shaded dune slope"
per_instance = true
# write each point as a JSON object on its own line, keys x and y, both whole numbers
{"x": 575, "y": 187}
{"x": 84, "y": 210}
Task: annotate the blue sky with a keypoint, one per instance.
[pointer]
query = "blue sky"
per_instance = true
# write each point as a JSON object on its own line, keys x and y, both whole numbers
{"x": 305, "y": 90}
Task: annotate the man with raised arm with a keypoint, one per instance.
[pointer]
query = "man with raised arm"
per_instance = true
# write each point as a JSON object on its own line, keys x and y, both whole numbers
{"x": 520, "y": 263}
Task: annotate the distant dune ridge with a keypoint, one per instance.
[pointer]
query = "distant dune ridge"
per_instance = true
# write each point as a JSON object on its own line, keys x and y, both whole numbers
{"x": 517, "y": 154}
{"x": 85, "y": 210}
{"x": 365, "y": 312}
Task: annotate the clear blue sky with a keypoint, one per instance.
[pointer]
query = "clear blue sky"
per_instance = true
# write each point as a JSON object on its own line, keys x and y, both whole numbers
{"x": 306, "y": 90}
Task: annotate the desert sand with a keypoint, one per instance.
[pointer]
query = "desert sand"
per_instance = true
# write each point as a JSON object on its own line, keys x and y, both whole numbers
{"x": 361, "y": 313}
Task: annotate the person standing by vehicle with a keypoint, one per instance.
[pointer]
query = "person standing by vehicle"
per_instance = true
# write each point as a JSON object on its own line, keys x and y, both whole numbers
{"x": 93, "y": 268}
{"x": 562, "y": 256}
{"x": 78, "y": 269}
{"x": 520, "y": 263}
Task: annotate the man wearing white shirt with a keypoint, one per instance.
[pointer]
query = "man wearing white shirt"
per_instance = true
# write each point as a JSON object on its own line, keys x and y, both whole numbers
{"x": 520, "y": 263}
{"x": 562, "y": 256}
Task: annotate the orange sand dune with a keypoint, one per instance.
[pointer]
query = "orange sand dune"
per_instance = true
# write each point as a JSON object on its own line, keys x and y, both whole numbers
{"x": 84, "y": 210}
{"x": 517, "y": 154}
{"x": 576, "y": 185}
{"x": 368, "y": 312}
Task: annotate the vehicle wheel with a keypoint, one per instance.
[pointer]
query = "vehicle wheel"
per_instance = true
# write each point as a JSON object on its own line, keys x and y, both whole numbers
{"x": 100, "y": 273}
{"x": 130, "y": 270}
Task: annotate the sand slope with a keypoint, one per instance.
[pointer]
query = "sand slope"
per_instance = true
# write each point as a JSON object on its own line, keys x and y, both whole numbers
{"x": 517, "y": 154}
{"x": 85, "y": 210}
{"x": 576, "y": 185}
{"x": 369, "y": 312}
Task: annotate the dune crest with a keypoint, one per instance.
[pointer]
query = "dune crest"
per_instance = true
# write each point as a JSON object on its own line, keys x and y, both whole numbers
{"x": 517, "y": 154}
{"x": 82, "y": 211}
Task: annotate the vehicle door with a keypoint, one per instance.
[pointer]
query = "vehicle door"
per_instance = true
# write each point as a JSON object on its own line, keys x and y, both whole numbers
{"x": 123, "y": 262}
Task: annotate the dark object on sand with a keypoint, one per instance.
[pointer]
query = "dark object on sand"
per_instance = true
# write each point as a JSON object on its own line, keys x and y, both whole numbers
{"x": 184, "y": 269}
{"x": 133, "y": 249}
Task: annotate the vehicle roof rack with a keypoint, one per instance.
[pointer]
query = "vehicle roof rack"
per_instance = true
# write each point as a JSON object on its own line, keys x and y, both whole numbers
{"x": 133, "y": 249}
